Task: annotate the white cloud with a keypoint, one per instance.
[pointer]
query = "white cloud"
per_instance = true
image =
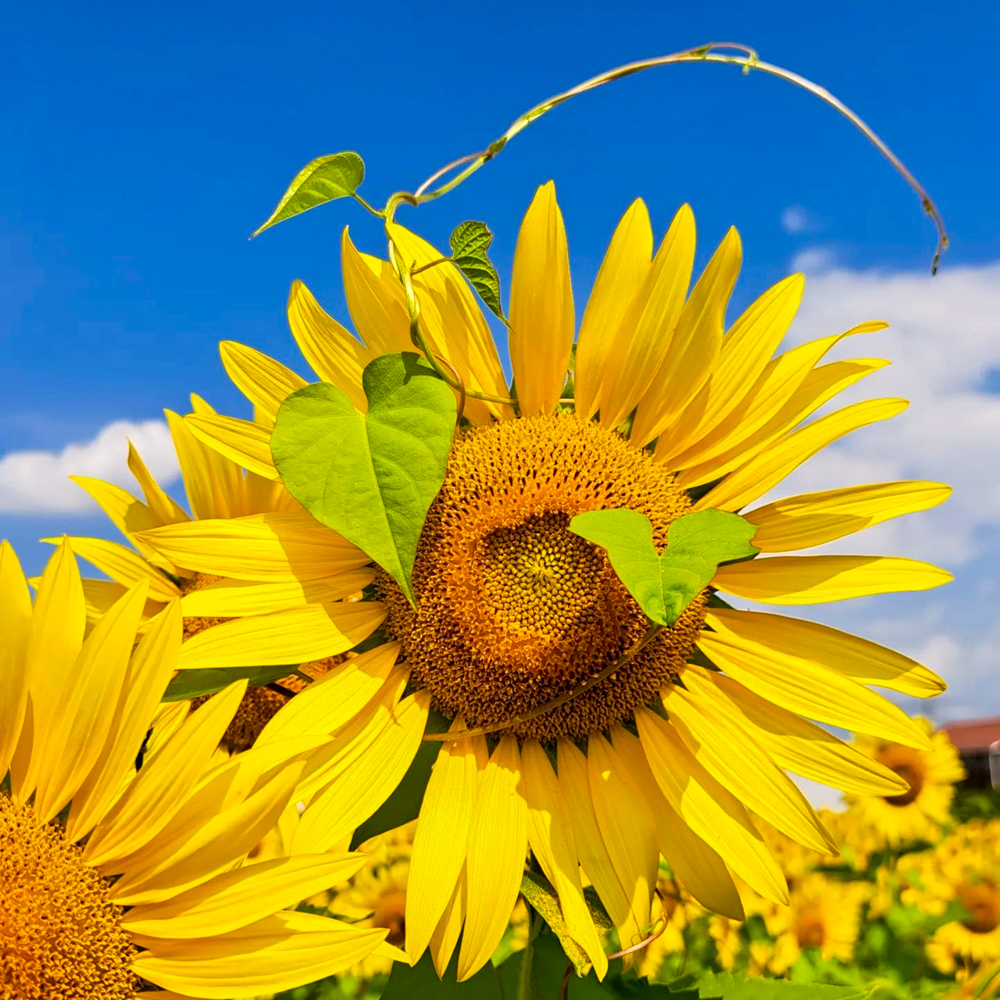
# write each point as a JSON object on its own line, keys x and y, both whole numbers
{"x": 35, "y": 482}
{"x": 943, "y": 341}
{"x": 798, "y": 219}
{"x": 815, "y": 260}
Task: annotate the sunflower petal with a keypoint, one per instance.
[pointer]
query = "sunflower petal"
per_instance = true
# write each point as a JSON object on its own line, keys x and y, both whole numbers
{"x": 125, "y": 512}
{"x": 550, "y": 837}
{"x": 265, "y": 382}
{"x": 377, "y": 306}
{"x": 123, "y": 565}
{"x": 214, "y": 484}
{"x": 809, "y": 689}
{"x": 618, "y": 281}
{"x": 712, "y": 812}
{"x": 163, "y": 507}
{"x": 817, "y": 579}
{"x": 239, "y": 598}
{"x": 246, "y": 443}
{"x": 264, "y": 547}
{"x": 442, "y": 837}
{"x": 445, "y": 936}
{"x": 15, "y": 627}
{"x": 541, "y": 306}
{"x": 498, "y": 842}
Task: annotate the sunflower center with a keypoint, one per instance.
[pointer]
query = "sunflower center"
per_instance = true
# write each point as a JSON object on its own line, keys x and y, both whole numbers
{"x": 61, "y": 935}
{"x": 514, "y": 609}
{"x": 391, "y": 913}
{"x": 981, "y": 901}
{"x": 811, "y": 930}
{"x": 911, "y": 774}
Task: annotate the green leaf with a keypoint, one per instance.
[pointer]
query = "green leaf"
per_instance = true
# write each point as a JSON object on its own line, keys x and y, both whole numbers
{"x": 324, "y": 179}
{"x": 371, "y": 477}
{"x": 732, "y": 986}
{"x": 469, "y": 245}
{"x": 194, "y": 683}
{"x": 664, "y": 585}
{"x": 421, "y": 983}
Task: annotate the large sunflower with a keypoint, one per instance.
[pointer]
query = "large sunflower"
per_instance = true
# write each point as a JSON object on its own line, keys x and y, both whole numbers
{"x": 924, "y": 808}
{"x": 112, "y": 879}
{"x": 232, "y": 620}
{"x": 666, "y": 413}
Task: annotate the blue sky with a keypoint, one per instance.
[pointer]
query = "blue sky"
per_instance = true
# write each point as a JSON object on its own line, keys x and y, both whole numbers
{"x": 145, "y": 144}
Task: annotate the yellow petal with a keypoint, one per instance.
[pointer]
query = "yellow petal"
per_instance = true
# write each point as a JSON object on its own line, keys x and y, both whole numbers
{"x": 333, "y": 353}
{"x": 816, "y": 579}
{"x": 441, "y": 838}
{"x": 278, "y": 953}
{"x": 125, "y": 512}
{"x": 239, "y": 598}
{"x": 243, "y": 442}
{"x": 201, "y": 843}
{"x": 123, "y": 565}
{"x": 57, "y": 626}
{"x": 746, "y": 350}
{"x": 335, "y": 699}
{"x": 712, "y": 812}
{"x": 148, "y": 674}
{"x": 814, "y": 518}
{"x": 574, "y": 782}
{"x": 294, "y": 636}
{"x": 163, "y": 508}
{"x": 454, "y": 322}
{"x": 445, "y": 936}
{"x": 214, "y": 484}
{"x": 368, "y": 778}
{"x": 809, "y": 689}
{"x": 15, "y": 627}
{"x": 81, "y": 719}
{"x": 628, "y": 832}
{"x": 241, "y": 897}
{"x": 265, "y": 382}
{"x": 645, "y": 335}
{"x": 498, "y": 842}
{"x": 377, "y": 304}
{"x": 550, "y": 837}
{"x": 164, "y": 782}
{"x": 795, "y": 744}
{"x": 744, "y": 768}
{"x": 618, "y": 281}
{"x": 702, "y": 871}
{"x": 541, "y": 306}
{"x": 762, "y": 404}
{"x": 264, "y": 547}
{"x": 694, "y": 347}
{"x": 822, "y": 645}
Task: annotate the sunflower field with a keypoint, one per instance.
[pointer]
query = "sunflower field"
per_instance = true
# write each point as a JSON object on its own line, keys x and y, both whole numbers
{"x": 443, "y": 683}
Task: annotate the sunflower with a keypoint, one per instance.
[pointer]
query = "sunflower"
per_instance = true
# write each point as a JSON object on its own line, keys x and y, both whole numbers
{"x": 111, "y": 879}
{"x": 666, "y": 413}
{"x": 924, "y": 808}
{"x": 230, "y": 620}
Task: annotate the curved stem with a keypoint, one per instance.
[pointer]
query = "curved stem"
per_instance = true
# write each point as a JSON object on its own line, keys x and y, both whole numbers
{"x": 714, "y": 52}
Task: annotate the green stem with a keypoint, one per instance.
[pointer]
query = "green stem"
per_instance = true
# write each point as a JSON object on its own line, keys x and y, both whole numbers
{"x": 525, "y": 981}
{"x": 379, "y": 212}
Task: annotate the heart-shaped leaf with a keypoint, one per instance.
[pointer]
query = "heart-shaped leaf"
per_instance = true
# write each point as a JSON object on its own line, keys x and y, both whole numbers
{"x": 371, "y": 477}
{"x": 664, "y": 585}
{"x": 326, "y": 178}
{"x": 470, "y": 243}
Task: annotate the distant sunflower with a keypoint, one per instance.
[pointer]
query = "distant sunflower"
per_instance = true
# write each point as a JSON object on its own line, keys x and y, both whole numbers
{"x": 231, "y": 620}
{"x": 669, "y": 414}
{"x": 924, "y": 808}
{"x": 114, "y": 881}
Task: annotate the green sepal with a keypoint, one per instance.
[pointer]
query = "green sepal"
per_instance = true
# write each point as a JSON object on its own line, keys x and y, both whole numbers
{"x": 542, "y": 898}
{"x": 664, "y": 585}
{"x": 324, "y": 179}
{"x": 197, "y": 682}
{"x": 370, "y": 476}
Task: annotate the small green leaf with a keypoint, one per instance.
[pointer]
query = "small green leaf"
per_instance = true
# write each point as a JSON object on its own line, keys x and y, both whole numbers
{"x": 733, "y": 986}
{"x": 324, "y": 179}
{"x": 470, "y": 243}
{"x": 540, "y": 895}
{"x": 371, "y": 477}
{"x": 664, "y": 585}
{"x": 194, "y": 683}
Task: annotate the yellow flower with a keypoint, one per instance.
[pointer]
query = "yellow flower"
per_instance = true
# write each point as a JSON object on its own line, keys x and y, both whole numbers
{"x": 671, "y": 414}
{"x": 257, "y": 614}
{"x": 923, "y": 809}
{"x": 822, "y": 914}
{"x": 112, "y": 880}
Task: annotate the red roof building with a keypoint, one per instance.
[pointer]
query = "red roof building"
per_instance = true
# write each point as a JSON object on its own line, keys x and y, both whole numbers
{"x": 978, "y": 744}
